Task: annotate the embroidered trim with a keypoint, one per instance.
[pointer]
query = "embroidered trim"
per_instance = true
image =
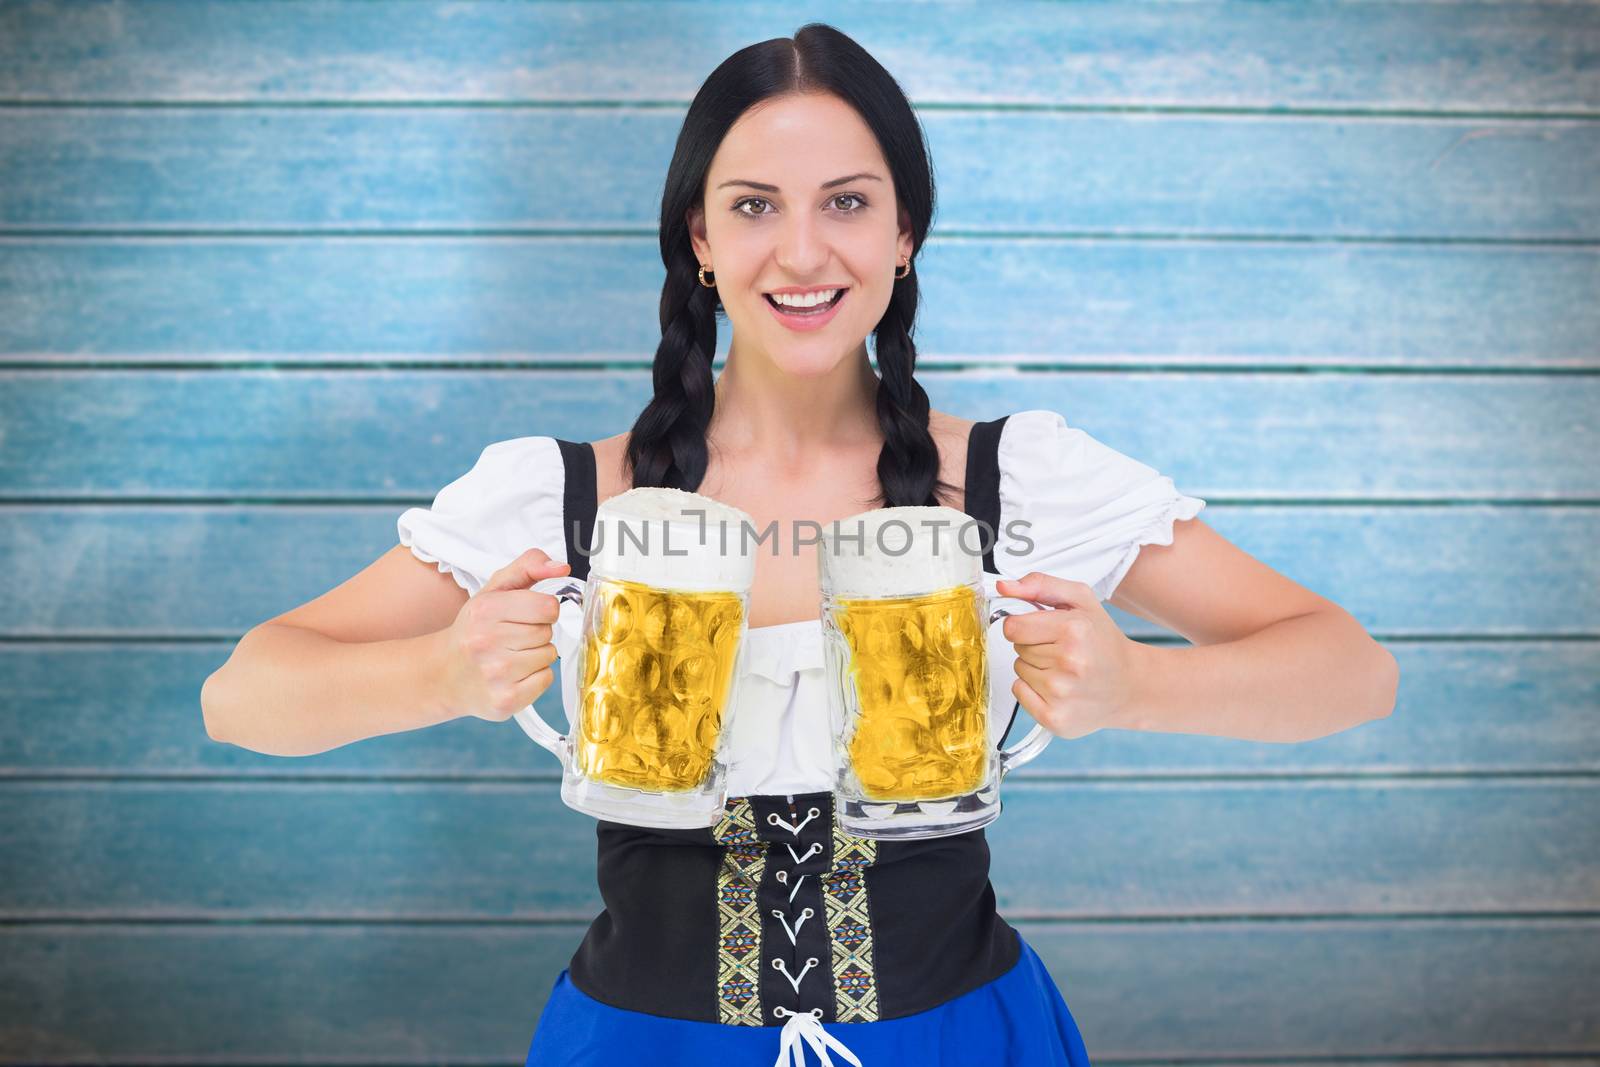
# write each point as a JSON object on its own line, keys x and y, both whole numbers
{"x": 738, "y": 917}
{"x": 845, "y": 909}
{"x": 844, "y": 898}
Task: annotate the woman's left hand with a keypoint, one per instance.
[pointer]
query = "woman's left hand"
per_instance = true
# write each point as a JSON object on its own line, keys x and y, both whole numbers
{"x": 1076, "y": 669}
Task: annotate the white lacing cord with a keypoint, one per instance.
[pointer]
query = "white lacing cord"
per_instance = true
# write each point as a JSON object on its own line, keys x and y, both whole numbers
{"x": 795, "y": 929}
{"x": 783, "y": 876}
{"x": 816, "y": 846}
{"x": 774, "y": 819}
{"x": 802, "y": 1025}
{"x": 794, "y": 979}
{"x": 807, "y": 1026}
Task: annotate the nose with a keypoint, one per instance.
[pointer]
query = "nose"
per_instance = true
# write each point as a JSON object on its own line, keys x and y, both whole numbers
{"x": 802, "y": 249}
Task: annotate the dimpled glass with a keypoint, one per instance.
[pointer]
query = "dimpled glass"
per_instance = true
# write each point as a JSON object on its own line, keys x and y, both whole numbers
{"x": 657, "y": 667}
{"x": 919, "y": 674}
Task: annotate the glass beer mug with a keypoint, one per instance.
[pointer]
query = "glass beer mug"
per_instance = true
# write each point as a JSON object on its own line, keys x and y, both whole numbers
{"x": 659, "y": 646}
{"x": 906, "y": 637}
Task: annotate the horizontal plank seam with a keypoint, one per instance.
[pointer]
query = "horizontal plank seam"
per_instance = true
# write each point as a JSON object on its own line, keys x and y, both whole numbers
{"x": 404, "y": 502}
{"x": 18, "y": 920}
{"x": 1382, "y": 778}
{"x": 131, "y": 232}
{"x": 993, "y": 366}
{"x": 1453, "y": 1059}
{"x": 1456, "y": 1059}
{"x": 975, "y": 107}
{"x": 36, "y": 641}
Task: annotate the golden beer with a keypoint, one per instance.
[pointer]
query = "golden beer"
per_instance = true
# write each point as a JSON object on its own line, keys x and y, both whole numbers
{"x": 655, "y": 675}
{"x": 919, "y": 669}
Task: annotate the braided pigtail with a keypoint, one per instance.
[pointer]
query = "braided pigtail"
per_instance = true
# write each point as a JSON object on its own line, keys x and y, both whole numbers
{"x": 908, "y": 465}
{"x": 667, "y": 447}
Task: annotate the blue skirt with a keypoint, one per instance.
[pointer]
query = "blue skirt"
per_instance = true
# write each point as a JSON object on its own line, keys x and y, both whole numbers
{"x": 1019, "y": 1017}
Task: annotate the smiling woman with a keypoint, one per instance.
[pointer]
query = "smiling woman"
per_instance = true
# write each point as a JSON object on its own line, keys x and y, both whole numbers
{"x": 797, "y": 197}
{"x": 816, "y": 255}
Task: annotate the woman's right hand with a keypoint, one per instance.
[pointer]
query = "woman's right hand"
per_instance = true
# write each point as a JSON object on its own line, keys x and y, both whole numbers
{"x": 499, "y": 650}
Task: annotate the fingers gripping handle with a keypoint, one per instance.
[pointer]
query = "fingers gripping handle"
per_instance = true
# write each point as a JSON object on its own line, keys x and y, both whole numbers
{"x": 565, "y": 633}
{"x": 1038, "y": 737}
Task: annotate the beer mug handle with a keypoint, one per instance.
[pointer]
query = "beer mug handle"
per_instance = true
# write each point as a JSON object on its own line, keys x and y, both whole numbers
{"x": 567, "y": 590}
{"x": 1038, "y": 737}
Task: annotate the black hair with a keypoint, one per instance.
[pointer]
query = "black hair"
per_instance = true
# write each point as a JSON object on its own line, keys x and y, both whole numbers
{"x": 667, "y": 445}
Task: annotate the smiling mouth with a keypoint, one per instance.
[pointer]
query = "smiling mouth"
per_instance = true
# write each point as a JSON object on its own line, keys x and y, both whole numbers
{"x": 815, "y": 309}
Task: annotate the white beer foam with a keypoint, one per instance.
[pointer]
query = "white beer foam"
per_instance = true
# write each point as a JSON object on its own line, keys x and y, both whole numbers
{"x": 897, "y": 554}
{"x": 654, "y": 535}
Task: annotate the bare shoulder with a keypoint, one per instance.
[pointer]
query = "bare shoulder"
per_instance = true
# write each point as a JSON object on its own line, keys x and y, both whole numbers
{"x": 942, "y": 422}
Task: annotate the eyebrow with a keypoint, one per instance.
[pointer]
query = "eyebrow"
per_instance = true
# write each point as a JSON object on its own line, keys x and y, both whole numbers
{"x": 765, "y": 188}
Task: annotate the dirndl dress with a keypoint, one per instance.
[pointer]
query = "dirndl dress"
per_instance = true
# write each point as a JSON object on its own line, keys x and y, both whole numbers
{"x": 774, "y": 935}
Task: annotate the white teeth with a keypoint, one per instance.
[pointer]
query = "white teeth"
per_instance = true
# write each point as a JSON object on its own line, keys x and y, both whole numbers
{"x": 807, "y": 300}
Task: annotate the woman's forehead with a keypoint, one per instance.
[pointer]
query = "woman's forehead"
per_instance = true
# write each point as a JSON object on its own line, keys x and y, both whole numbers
{"x": 797, "y": 144}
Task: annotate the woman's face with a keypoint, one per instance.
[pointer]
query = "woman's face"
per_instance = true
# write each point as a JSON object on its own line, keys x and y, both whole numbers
{"x": 777, "y": 217}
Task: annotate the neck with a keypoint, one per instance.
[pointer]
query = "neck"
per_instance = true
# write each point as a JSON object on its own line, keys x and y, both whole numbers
{"x": 762, "y": 409}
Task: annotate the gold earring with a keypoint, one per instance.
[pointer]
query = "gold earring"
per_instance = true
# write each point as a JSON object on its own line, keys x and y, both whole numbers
{"x": 712, "y": 284}
{"x": 907, "y": 266}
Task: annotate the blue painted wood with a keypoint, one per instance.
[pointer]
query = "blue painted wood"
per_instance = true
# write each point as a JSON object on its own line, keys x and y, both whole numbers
{"x": 1233, "y": 225}
{"x": 484, "y": 299}
{"x": 584, "y": 169}
{"x": 1174, "y": 991}
{"x": 1434, "y": 57}
{"x": 407, "y": 433}
{"x": 511, "y": 850}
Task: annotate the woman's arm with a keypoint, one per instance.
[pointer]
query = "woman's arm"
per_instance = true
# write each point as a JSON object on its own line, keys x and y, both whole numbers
{"x": 1271, "y": 660}
{"x": 288, "y": 691}
{"x": 1297, "y": 679}
{"x": 363, "y": 659}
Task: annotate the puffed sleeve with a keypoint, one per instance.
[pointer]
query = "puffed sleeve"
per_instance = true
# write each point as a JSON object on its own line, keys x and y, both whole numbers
{"x": 1086, "y": 508}
{"x": 510, "y": 501}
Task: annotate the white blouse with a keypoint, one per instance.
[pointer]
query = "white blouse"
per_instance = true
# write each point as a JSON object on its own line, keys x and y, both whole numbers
{"x": 1087, "y": 510}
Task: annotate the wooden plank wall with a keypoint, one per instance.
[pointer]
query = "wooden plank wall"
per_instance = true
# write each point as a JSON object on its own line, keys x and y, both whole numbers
{"x": 271, "y": 273}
